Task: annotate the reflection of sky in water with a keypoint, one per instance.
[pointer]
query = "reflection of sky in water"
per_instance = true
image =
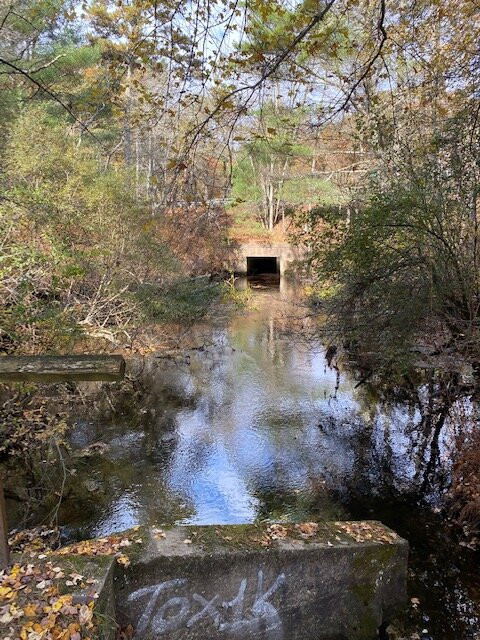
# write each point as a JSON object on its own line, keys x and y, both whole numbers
{"x": 261, "y": 416}
{"x": 256, "y": 427}
{"x": 121, "y": 515}
{"x": 253, "y": 427}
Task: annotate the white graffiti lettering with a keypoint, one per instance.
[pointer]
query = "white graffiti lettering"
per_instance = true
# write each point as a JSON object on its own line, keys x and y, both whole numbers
{"x": 230, "y": 619}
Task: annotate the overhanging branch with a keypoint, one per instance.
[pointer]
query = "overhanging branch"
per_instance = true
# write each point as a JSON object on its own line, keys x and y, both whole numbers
{"x": 52, "y": 95}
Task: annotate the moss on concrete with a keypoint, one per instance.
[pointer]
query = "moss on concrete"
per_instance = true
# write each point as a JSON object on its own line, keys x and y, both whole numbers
{"x": 367, "y": 567}
{"x": 263, "y": 536}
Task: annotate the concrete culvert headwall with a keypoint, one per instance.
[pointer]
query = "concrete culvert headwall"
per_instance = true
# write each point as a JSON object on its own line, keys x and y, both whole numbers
{"x": 254, "y": 258}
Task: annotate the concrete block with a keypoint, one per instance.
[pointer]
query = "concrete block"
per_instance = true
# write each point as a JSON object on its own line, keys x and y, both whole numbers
{"x": 324, "y": 582}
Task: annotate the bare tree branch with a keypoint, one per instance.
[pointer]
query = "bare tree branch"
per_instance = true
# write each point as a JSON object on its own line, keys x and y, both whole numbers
{"x": 269, "y": 71}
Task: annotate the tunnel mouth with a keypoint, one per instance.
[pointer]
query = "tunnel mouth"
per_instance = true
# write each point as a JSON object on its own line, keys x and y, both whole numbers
{"x": 259, "y": 266}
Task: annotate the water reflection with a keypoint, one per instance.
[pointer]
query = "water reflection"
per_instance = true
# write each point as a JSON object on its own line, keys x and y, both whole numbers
{"x": 255, "y": 424}
{"x": 252, "y": 415}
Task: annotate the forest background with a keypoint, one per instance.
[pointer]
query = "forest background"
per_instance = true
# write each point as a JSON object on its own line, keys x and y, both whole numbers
{"x": 139, "y": 141}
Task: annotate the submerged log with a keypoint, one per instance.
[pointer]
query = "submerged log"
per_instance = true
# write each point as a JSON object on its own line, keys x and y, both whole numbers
{"x": 61, "y": 368}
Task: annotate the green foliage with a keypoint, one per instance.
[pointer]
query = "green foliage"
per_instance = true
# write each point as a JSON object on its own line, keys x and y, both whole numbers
{"x": 272, "y": 25}
{"x": 245, "y": 187}
{"x": 261, "y": 174}
{"x": 310, "y": 191}
{"x": 231, "y": 293}
{"x": 75, "y": 237}
{"x": 409, "y": 255}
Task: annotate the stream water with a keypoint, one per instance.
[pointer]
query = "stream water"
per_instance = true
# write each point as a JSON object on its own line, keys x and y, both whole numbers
{"x": 254, "y": 424}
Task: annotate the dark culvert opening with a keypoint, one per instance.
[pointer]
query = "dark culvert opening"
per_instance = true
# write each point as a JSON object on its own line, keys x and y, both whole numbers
{"x": 257, "y": 266}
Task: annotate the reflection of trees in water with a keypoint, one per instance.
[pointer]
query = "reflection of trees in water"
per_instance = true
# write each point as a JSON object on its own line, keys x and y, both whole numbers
{"x": 313, "y": 503}
{"x": 136, "y": 421}
{"x": 437, "y": 406}
{"x": 434, "y": 400}
{"x": 424, "y": 409}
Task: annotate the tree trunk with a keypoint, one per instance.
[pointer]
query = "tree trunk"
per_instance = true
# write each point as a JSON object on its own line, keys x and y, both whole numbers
{"x": 127, "y": 131}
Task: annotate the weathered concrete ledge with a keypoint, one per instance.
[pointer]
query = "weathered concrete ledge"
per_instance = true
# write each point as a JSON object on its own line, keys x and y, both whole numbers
{"x": 284, "y": 582}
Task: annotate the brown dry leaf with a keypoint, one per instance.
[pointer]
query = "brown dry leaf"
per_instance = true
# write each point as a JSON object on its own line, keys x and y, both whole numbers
{"x": 307, "y": 529}
{"x": 31, "y": 610}
{"x": 50, "y": 613}
{"x": 102, "y": 546}
{"x": 85, "y": 615}
{"x": 69, "y": 610}
{"x": 367, "y": 532}
{"x": 73, "y": 628}
{"x": 277, "y": 531}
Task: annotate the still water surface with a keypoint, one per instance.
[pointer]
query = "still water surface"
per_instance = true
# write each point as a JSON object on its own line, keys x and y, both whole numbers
{"x": 254, "y": 424}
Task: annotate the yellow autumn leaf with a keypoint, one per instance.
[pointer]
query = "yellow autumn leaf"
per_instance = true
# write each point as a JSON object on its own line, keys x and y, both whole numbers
{"x": 123, "y": 560}
{"x": 15, "y": 571}
{"x": 6, "y": 593}
{"x": 30, "y": 610}
{"x": 56, "y": 606}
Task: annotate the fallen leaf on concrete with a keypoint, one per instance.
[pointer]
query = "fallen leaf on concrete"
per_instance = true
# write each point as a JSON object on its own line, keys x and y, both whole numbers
{"x": 277, "y": 531}
{"x": 101, "y": 546}
{"x": 31, "y": 610}
{"x": 36, "y": 540}
{"x": 367, "y": 532}
{"x": 123, "y": 560}
{"x": 307, "y": 529}
{"x": 41, "y": 613}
